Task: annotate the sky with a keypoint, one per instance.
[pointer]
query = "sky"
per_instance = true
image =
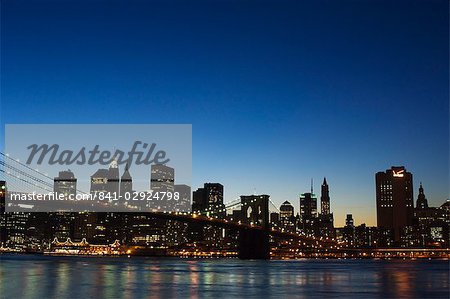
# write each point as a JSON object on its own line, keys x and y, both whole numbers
{"x": 277, "y": 92}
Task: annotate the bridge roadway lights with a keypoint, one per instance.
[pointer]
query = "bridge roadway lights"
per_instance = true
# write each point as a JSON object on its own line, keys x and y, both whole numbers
{"x": 254, "y": 244}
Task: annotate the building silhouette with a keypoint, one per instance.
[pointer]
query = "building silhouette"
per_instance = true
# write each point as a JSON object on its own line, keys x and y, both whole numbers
{"x": 349, "y": 230}
{"x": 394, "y": 198}
{"x": 326, "y": 220}
{"x": 286, "y": 210}
{"x": 432, "y": 224}
{"x": 325, "y": 198}
{"x": 422, "y": 202}
{"x": 2, "y": 212}
{"x": 308, "y": 206}
{"x": 308, "y": 213}
{"x": 209, "y": 200}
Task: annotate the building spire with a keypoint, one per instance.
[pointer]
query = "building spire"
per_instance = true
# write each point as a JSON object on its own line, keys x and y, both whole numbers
{"x": 311, "y": 185}
{"x": 422, "y": 201}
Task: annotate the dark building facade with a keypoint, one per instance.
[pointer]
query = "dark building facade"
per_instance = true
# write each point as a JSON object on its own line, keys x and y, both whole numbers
{"x": 422, "y": 202}
{"x": 209, "y": 200}
{"x": 308, "y": 213}
{"x": 325, "y": 198}
{"x": 287, "y": 218}
{"x": 2, "y": 212}
{"x": 326, "y": 220}
{"x": 394, "y": 198}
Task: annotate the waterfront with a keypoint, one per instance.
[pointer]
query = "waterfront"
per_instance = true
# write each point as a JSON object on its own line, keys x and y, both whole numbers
{"x": 34, "y": 276}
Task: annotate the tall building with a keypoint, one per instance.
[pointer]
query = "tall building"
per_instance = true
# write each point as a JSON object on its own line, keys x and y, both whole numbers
{"x": 209, "y": 200}
{"x": 422, "y": 202}
{"x": 65, "y": 183}
{"x": 286, "y": 210}
{"x": 326, "y": 220}
{"x": 12, "y": 224}
{"x": 349, "y": 221}
{"x": 308, "y": 206}
{"x": 308, "y": 213}
{"x": 113, "y": 179}
{"x": 183, "y": 204}
{"x": 199, "y": 201}
{"x": 325, "y": 198}
{"x": 287, "y": 218}
{"x": 432, "y": 223}
{"x": 349, "y": 231}
{"x": 99, "y": 181}
{"x": 2, "y": 212}
{"x": 394, "y": 196}
{"x": 126, "y": 185}
{"x": 162, "y": 178}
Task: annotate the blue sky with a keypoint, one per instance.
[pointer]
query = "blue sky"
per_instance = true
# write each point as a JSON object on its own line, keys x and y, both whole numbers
{"x": 277, "y": 92}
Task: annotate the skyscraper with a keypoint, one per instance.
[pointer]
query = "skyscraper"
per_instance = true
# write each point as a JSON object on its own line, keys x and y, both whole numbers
{"x": 286, "y": 210}
{"x": 422, "y": 202}
{"x": 394, "y": 196}
{"x": 349, "y": 221}
{"x": 325, "y": 198}
{"x": 308, "y": 212}
{"x": 65, "y": 183}
{"x": 308, "y": 206}
{"x": 199, "y": 200}
{"x": 99, "y": 181}
{"x": 349, "y": 230}
{"x": 287, "y": 218}
{"x": 2, "y": 212}
{"x": 209, "y": 200}
{"x": 113, "y": 179}
{"x": 183, "y": 204}
{"x": 326, "y": 220}
{"x": 162, "y": 178}
{"x": 126, "y": 184}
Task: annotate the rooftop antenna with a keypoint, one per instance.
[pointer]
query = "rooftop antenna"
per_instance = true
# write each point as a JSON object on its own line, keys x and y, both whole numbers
{"x": 311, "y": 185}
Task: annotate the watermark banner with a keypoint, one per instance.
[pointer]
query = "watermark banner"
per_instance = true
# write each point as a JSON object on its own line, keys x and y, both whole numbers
{"x": 97, "y": 168}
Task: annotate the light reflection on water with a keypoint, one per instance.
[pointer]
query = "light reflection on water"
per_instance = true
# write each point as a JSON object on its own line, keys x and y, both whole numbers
{"x": 29, "y": 276}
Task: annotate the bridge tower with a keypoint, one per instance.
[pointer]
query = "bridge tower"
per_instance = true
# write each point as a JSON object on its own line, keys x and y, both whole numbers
{"x": 254, "y": 243}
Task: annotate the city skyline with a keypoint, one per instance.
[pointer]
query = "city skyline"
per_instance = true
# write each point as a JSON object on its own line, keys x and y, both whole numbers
{"x": 399, "y": 222}
{"x": 390, "y": 186}
{"x": 343, "y": 99}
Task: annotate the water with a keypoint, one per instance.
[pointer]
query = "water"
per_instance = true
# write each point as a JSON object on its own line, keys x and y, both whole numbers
{"x": 28, "y": 276}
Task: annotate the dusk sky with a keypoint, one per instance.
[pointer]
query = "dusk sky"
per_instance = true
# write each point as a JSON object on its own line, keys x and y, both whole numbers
{"x": 277, "y": 92}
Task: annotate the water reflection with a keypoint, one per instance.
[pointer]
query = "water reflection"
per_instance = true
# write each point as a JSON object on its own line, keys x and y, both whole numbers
{"x": 72, "y": 277}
